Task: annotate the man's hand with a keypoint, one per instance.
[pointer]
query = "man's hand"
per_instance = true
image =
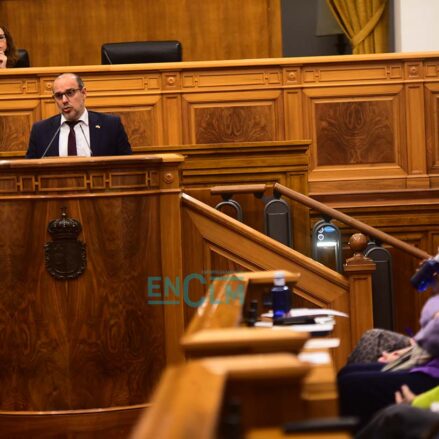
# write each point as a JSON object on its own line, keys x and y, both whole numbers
{"x": 3, "y": 60}
{"x": 387, "y": 357}
{"x": 404, "y": 396}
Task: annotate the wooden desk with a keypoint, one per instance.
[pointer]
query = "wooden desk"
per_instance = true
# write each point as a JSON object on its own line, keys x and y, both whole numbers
{"x": 91, "y": 340}
{"x": 277, "y": 433}
{"x": 191, "y": 398}
{"x": 215, "y": 330}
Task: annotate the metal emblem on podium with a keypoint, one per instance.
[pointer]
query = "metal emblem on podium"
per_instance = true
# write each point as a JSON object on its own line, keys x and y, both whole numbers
{"x": 65, "y": 255}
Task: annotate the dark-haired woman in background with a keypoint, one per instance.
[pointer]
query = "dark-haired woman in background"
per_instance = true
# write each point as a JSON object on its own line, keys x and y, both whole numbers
{"x": 8, "y": 52}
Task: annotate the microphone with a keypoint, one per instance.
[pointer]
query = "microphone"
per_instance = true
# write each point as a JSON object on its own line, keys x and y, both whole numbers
{"x": 50, "y": 143}
{"x": 106, "y": 56}
{"x": 86, "y": 141}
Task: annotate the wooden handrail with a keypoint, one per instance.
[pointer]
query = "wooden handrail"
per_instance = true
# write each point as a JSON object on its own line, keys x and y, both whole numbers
{"x": 346, "y": 219}
{"x": 238, "y": 189}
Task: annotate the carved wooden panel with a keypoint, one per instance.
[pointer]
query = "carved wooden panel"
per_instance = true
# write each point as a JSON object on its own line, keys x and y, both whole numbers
{"x": 352, "y": 133}
{"x": 234, "y": 124}
{"x": 94, "y": 341}
{"x": 91, "y": 331}
{"x": 368, "y": 72}
{"x": 357, "y": 139}
{"x": 211, "y": 79}
{"x": 14, "y": 131}
{"x": 251, "y": 117}
{"x": 143, "y": 123}
{"x": 85, "y": 182}
{"x": 372, "y": 121}
{"x": 139, "y": 126}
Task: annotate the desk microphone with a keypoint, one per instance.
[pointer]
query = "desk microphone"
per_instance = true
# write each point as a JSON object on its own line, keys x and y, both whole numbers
{"x": 106, "y": 56}
{"x": 86, "y": 141}
{"x": 50, "y": 143}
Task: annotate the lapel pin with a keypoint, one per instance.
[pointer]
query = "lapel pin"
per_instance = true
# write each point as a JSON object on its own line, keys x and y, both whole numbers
{"x": 97, "y": 126}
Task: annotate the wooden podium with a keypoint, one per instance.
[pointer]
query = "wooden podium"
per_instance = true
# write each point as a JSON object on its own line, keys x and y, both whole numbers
{"x": 71, "y": 341}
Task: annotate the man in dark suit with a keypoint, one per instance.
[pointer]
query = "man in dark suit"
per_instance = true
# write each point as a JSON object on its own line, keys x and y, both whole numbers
{"x": 76, "y": 131}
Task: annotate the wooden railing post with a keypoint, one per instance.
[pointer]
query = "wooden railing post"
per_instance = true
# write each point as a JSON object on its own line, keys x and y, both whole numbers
{"x": 358, "y": 270}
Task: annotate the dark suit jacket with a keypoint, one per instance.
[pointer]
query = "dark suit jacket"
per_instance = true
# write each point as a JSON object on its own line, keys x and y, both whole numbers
{"x": 107, "y": 136}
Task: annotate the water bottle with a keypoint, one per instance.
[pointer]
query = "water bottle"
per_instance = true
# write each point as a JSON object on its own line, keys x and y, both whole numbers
{"x": 423, "y": 278}
{"x": 280, "y": 297}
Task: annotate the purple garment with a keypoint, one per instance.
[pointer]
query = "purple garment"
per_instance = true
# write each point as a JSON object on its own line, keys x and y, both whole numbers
{"x": 430, "y": 368}
{"x": 428, "y": 337}
{"x": 430, "y": 308}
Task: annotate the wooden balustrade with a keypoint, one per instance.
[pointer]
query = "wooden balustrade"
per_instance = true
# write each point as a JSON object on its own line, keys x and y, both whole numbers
{"x": 352, "y": 222}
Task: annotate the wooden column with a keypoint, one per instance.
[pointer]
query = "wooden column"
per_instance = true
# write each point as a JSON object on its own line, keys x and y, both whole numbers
{"x": 358, "y": 270}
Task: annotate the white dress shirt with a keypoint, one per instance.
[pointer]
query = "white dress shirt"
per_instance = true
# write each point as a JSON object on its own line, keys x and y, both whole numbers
{"x": 82, "y": 133}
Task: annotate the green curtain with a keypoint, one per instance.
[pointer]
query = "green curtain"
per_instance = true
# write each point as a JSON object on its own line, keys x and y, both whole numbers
{"x": 365, "y": 23}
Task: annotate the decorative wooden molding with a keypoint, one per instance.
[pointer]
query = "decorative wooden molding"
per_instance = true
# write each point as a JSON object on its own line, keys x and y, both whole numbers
{"x": 370, "y": 118}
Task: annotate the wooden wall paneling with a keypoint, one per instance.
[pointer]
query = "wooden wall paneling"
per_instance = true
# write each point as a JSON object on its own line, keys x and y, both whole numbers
{"x": 135, "y": 100}
{"x": 172, "y": 119}
{"x": 369, "y": 107}
{"x": 360, "y": 137}
{"x": 294, "y": 123}
{"x": 407, "y": 302}
{"x": 284, "y": 162}
{"x": 300, "y": 215}
{"x": 15, "y": 125}
{"x": 293, "y": 104}
{"x": 111, "y": 296}
{"x": 371, "y": 70}
{"x": 19, "y": 108}
{"x": 217, "y": 29}
{"x": 416, "y": 132}
{"x": 143, "y": 123}
{"x": 254, "y": 117}
{"x": 171, "y": 258}
{"x": 432, "y": 127}
{"x": 67, "y": 344}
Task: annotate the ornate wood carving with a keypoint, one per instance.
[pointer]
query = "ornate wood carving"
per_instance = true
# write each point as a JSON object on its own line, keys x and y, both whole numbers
{"x": 65, "y": 256}
{"x": 104, "y": 180}
{"x": 14, "y": 132}
{"x": 140, "y": 126}
{"x": 353, "y": 133}
{"x": 234, "y": 124}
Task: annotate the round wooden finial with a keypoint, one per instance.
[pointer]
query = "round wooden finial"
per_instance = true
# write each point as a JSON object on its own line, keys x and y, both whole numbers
{"x": 357, "y": 242}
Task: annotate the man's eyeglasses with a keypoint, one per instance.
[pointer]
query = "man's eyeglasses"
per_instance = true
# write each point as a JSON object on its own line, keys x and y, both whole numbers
{"x": 68, "y": 93}
{"x": 2, "y": 37}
